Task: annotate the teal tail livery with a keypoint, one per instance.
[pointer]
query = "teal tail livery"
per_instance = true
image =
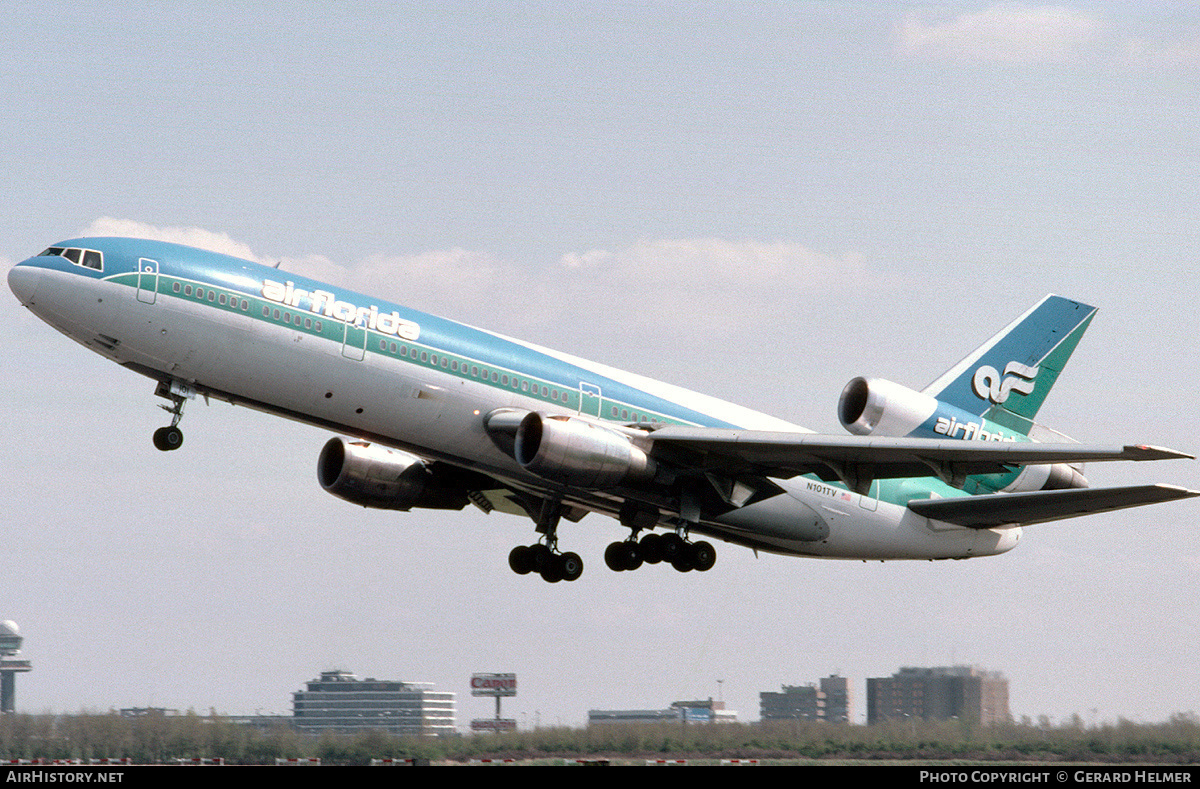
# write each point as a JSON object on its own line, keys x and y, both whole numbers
{"x": 1007, "y": 379}
{"x": 435, "y": 414}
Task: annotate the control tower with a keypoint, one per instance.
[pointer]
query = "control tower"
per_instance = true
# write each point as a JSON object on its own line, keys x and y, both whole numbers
{"x": 10, "y": 664}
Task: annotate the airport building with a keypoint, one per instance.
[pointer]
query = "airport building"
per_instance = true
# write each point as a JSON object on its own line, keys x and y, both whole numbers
{"x": 339, "y": 701}
{"x": 964, "y": 692}
{"x": 829, "y": 702}
{"x": 705, "y": 711}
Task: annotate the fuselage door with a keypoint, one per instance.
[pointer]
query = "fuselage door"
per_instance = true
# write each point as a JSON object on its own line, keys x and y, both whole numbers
{"x": 354, "y": 341}
{"x": 871, "y": 500}
{"x": 589, "y": 399}
{"x": 147, "y": 290}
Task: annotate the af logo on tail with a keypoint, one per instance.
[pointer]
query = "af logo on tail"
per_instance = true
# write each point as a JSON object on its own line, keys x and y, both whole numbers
{"x": 989, "y": 385}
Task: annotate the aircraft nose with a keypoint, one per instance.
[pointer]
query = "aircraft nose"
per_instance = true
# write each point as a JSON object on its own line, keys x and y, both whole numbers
{"x": 23, "y": 282}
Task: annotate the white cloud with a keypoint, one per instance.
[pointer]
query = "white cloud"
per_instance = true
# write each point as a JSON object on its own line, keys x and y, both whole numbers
{"x": 189, "y": 236}
{"x": 429, "y": 281}
{"x": 1004, "y": 33}
{"x": 1164, "y": 55}
{"x": 712, "y": 286}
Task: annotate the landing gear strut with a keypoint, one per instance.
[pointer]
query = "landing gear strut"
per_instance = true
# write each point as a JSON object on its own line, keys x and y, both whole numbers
{"x": 543, "y": 557}
{"x": 171, "y": 437}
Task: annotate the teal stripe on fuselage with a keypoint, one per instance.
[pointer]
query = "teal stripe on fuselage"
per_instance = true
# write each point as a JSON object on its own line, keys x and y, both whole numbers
{"x": 450, "y": 340}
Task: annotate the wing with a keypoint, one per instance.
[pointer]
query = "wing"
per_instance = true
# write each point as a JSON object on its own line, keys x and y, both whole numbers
{"x": 858, "y": 460}
{"x": 1010, "y": 509}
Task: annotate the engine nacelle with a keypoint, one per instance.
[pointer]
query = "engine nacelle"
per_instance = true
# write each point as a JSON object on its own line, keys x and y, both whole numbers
{"x": 578, "y": 452}
{"x": 877, "y": 407}
{"x": 381, "y": 478}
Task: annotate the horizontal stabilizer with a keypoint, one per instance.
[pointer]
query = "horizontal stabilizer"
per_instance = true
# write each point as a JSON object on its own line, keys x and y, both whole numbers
{"x": 1014, "y": 509}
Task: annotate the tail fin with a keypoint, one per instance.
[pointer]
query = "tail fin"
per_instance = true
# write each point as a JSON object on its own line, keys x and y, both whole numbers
{"x": 1006, "y": 380}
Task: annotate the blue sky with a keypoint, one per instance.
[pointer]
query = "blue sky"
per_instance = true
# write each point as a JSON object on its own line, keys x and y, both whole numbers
{"x": 758, "y": 201}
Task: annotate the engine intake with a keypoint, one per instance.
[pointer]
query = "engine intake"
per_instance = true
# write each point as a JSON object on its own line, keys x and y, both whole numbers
{"x": 874, "y": 406}
{"x": 579, "y": 452}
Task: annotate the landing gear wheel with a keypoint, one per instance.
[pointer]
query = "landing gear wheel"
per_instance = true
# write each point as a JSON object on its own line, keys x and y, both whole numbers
{"x": 571, "y": 566}
{"x": 630, "y": 555}
{"x": 520, "y": 559}
{"x": 540, "y": 559}
{"x": 703, "y": 556}
{"x": 672, "y": 547}
{"x": 168, "y": 438}
{"x": 552, "y": 570}
{"x": 651, "y": 548}
{"x": 623, "y": 556}
{"x": 611, "y": 558}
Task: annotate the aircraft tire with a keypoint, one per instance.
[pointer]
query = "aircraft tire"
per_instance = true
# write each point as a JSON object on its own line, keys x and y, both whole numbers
{"x": 703, "y": 556}
{"x": 672, "y": 547}
{"x": 571, "y": 566}
{"x": 540, "y": 557}
{"x": 611, "y": 559}
{"x": 629, "y": 555}
{"x": 552, "y": 570}
{"x": 168, "y": 438}
{"x": 520, "y": 560}
{"x": 651, "y": 548}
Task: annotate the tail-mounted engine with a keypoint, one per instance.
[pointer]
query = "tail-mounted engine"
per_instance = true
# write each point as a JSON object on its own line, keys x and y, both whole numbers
{"x": 381, "y": 478}
{"x": 579, "y": 452}
{"x": 876, "y": 407}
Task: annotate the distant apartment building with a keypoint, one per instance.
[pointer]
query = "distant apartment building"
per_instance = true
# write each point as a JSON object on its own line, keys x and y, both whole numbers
{"x": 837, "y": 698}
{"x": 963, "y": 692}
{"x": 339, "y": 701}
{"x": 829, "y": 702}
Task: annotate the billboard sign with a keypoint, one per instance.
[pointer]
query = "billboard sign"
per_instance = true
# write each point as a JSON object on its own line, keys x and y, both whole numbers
{"x": 493, "y": 684}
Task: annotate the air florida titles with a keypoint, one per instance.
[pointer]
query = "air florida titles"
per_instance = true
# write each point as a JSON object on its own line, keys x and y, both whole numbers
{"x": 323, "y": 302}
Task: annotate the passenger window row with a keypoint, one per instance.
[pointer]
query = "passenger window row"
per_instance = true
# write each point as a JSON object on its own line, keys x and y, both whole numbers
{"x": 302, "y": 320}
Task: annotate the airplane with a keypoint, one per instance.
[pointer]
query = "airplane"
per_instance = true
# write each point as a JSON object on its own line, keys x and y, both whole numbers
{"x": 436, "y": 414}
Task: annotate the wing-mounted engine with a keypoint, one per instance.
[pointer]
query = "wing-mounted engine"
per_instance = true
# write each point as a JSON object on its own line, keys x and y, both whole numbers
{"x": 877, "y": 407}
{"x": 381, "y": 478}
{"x": 575, "y": 451}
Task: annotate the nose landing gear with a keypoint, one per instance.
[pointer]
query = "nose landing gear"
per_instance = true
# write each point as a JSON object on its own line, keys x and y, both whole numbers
{"x": 171, "y": 437}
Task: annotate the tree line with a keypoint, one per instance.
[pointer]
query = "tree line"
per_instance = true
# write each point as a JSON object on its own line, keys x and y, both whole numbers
{"x": 157, "y": 738}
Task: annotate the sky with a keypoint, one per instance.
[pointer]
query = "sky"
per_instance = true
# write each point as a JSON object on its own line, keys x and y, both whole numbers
{"x": 759, "y": 201}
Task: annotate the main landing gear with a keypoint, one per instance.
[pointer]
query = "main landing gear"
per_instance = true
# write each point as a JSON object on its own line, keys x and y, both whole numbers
{"x": 171, "y": 437}
{"x": 543, "y": 557}
{"x": 543, "y": 560}
{"x": 653, "y": 548}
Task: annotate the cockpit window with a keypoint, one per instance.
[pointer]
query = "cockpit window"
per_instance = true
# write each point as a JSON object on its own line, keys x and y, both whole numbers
{"x": 89, "y": 258}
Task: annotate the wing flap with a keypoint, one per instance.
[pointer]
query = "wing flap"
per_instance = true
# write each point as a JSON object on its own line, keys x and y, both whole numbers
{"x": 1014, "y": 509}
